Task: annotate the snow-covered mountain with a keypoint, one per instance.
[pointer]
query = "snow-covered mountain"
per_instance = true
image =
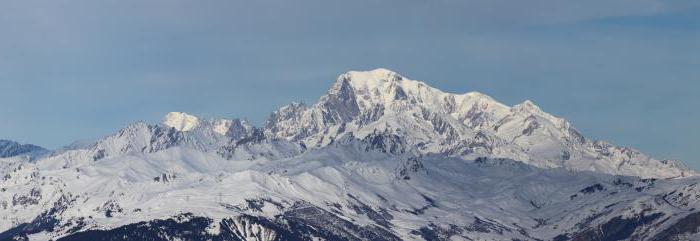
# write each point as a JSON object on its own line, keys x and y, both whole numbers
{"x": 379, "y": 157}
{"x": 12, "y": 148}
{"x": 462, "y": 125}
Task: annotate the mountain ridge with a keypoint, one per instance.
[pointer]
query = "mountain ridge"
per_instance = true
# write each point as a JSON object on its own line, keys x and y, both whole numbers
{"x": 358, "y": 99}
{"x": 360, "y": 103}
{"x": 10, "y": 148}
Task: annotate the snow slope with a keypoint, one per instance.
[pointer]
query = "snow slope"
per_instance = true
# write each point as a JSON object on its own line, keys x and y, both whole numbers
{"x": 411, "y": 198}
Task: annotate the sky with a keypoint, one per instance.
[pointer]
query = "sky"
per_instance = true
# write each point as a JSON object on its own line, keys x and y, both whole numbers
{"x": 626, "y": 71}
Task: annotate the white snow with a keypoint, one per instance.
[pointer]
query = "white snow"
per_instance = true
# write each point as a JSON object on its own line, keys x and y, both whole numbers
{"x": 221, "y": 126}
{"x": 199, "y": 182}
{"x": 181, "y": 121}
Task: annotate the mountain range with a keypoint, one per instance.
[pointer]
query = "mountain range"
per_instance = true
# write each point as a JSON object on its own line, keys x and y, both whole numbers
{"x": 378, "y": 157}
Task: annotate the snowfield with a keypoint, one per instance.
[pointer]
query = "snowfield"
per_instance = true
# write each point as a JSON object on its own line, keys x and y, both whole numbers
{"x": 379, "y": 157}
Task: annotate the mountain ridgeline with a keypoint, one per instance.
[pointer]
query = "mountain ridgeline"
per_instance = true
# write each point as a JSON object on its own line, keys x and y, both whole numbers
{"x": 378, "y": 157}
{"x": 463, "y": 125}
{"x": 11, "y": 148}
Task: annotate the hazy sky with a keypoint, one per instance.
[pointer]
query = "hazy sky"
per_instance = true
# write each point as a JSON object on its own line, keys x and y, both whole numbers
{"x": 627, "y": 71}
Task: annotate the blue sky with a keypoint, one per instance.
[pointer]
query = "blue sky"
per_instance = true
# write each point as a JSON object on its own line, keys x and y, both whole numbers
{"x": 620, "y": 70}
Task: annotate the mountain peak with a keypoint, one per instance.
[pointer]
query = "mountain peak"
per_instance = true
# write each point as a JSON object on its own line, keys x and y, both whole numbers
{"x": 180, "y": 121}
{"x": 527, "y": 106}
{"x": 10, "y": 148}
{"x": 380, "y": 87}
{"x": 379, "y": 74}
{"x": 372, "y": 79}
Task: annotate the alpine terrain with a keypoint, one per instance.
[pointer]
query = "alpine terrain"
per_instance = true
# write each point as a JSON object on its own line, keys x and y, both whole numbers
{"x": 378, "y": 157}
